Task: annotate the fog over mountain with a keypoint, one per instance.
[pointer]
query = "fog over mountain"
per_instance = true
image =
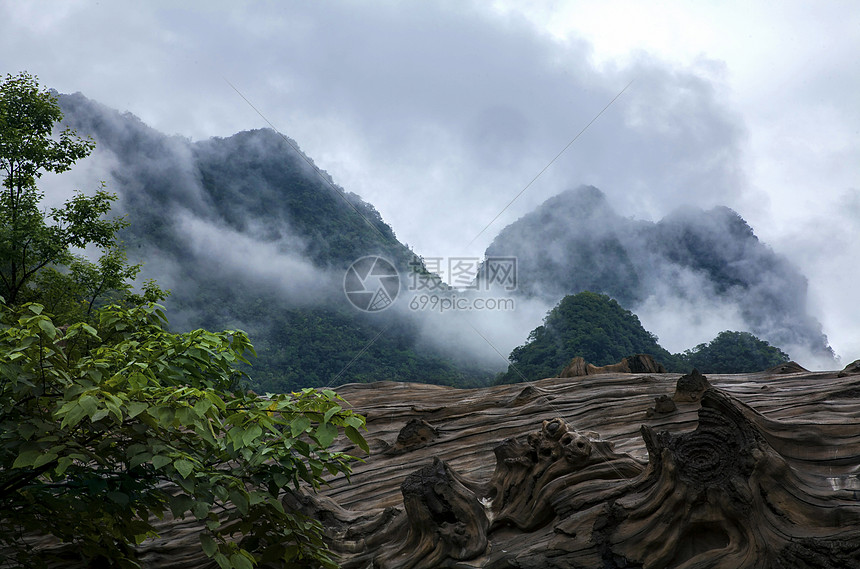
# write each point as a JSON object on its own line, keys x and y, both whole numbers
{"x": 248, "y": 233}
{"x": 693, "y": 271}
{"x": 439, "y": 113}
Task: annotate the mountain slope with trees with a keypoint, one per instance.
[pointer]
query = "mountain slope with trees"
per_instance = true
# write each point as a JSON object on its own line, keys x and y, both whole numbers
{"x": 248, "y": 234}
{"x": 597, "y": 328}
{"x": 734, "y": 352}
{"x": 576, "y": 242}
{"x": 589, "y": 325}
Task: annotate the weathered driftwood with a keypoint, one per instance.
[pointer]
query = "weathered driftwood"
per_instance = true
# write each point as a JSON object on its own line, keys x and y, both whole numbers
{"x": 747, "y": 471}
{"x": 751, "y": 471}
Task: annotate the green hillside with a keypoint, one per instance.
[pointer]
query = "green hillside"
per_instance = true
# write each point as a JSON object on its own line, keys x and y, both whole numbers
{"x": 590, "y": 325}
{"x": 734, "y": 352}
{"x": 595, "y": 327}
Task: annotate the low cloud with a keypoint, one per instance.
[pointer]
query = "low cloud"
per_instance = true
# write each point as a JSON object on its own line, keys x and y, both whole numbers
{"x": 255, "y": 264}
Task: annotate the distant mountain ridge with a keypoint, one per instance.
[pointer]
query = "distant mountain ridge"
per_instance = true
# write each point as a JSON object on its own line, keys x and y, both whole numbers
{"x": 247, "y": 234}
{"x": 576, "y": 242}
{"x": 253, "y": 176}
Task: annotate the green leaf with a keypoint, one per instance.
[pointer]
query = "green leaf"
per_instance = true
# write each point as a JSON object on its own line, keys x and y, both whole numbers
{"x": 74, "y": 416}
{"x": 48, "y": 328}
{"x": 89, "y": 404}
{"x": 64, "y": 463}
{"x": 201, "y": 509}
{"x": 135, "y": 408}
{"x": 120, "y": 498}
{"x": 236, "y": 437}
{"x": 202, "y": 406}
{"x": 240, "y": 499}
{"x": 330, "y": 413}
{"x": 239, "y": 561}
{"x": 183, "y": 467}
{"x": 325, "y": 434}
{"x": 299, "y": 425}
{"x": 90, "y": 329}
{"x": 280, "y": 479}
{"x": 160, "y": 461}
{"x": 180, "y": 504}
{"x": 26, "y": 458}
{"x": 27, "y": 430}
{"x": 139, "y": 459}
{"x": 35, "y": 308}
{"x": 355, "y": 421}
{"x": 353, "y": 435}
{"x": 222, "y": 561}
{"x": 251, "y": 434}
{"x": 99, "y": 415}
{"x": 209, "y": 545}
{"x": 44, "y": 459}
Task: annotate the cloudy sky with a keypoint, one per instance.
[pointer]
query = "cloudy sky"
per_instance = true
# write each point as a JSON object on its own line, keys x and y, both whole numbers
{"x": 441, "y": 113}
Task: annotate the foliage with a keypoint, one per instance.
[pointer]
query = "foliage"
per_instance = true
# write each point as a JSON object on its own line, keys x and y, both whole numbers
{"x": 589, "y": 325}
{"x": 37, "y": 262}
{"x": 734, "y": 352}
{"x": 598, "y": 329}
{"x": 102, "y": 427}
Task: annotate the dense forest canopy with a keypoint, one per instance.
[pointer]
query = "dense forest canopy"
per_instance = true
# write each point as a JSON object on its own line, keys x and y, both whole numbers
{"x": 734, "y": 352}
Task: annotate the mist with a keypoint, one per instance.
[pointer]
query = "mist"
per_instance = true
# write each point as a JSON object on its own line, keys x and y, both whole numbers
{"x": 688, "y": 276}
{"x": 219, "y": 220}
{"x": 441, "y": 113}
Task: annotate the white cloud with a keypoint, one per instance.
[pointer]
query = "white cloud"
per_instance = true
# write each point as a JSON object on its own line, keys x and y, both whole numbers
{"x": 439, "y": 113}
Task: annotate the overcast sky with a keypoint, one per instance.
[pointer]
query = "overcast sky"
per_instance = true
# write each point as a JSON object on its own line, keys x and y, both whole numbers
{"x": 440, "y": 113}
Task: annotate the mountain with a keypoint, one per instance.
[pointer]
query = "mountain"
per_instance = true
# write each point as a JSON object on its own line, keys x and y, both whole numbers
{"x": 248, "y": 234}
{"x": 588, "y": 325}
{"x": 711, "y": 259}
{"x": 734, "y": 352}
{"x": 599, "y": 330}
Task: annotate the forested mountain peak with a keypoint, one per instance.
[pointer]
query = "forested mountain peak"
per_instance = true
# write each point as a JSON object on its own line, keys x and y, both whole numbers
{"x": 577, "y": 242}
{"x": 248, "y": 233}
{"x": 257, "y": 178}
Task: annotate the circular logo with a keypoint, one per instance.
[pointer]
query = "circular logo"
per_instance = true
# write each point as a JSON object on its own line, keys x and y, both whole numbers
{"x": 371, "y": 284}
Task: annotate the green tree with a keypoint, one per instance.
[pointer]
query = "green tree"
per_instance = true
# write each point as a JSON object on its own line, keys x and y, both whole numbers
{"x": 107, "y": 420}
{"x": 734, "y": 352}
{"x": 38, "y": 262}
{"x": 104, "y": 428}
